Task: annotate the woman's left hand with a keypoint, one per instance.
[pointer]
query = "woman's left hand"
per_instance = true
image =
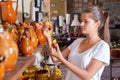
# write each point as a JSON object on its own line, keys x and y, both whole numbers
{"x": 46, "y": 32}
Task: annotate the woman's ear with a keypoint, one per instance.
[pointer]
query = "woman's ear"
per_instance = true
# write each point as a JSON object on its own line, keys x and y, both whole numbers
{"x": 98, "y": 23}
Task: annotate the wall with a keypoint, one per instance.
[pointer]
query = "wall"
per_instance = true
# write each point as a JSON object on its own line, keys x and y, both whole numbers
{"x": 57, "y": 8}
{"x": 29, "y": 7}
{"x": 114, "y": 10}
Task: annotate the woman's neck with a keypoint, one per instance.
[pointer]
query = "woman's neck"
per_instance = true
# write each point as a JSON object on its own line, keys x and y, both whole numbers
{"x": 92, "y": 38}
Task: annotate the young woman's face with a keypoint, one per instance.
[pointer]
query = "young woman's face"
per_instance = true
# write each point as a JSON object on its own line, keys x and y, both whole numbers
{"x": 87, "y": 24}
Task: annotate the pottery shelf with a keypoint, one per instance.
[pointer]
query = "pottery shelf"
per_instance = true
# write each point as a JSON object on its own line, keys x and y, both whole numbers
{"x": 22, "y": 63}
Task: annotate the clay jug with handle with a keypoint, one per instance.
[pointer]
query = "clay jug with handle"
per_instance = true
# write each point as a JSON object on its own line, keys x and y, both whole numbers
{"x": 8, "y": 12}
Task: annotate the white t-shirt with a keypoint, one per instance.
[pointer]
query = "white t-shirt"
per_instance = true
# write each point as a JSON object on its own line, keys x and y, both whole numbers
{"x": 100, "y": 51}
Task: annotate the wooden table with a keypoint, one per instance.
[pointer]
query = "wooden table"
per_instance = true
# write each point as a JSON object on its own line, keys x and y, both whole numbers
{"x": 22, "y": 63}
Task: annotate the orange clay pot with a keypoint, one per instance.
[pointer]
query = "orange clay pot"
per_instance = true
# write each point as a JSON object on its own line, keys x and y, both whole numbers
{"x": 26, "y": 47}
{"x": 10, "y": 49}
{"x": 41, "y": 37}
{"x": 8, "y": 13}
{"x": 33, "y": 38}
{"x": 28, "y": 42}
{"x": 38, "y": 29}
{"x": 13, "y": 29}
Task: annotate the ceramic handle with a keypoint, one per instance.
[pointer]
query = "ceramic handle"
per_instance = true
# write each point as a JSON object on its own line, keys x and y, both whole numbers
{"x": 16, "y": 5}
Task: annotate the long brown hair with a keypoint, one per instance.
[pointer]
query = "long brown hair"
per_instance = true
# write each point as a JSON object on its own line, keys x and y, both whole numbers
{"x": 98, "y": 15}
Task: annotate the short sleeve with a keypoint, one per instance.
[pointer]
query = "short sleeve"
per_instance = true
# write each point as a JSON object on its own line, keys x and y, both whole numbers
{"x": 103, "y": 53}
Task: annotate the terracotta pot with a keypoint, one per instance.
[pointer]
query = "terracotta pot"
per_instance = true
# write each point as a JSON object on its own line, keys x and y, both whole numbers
{"x": 30, "y": 33}
{"x": 26, "y": 47}
{"x": 28, "y": 42}
{"x": 38, "y": 29}
{"x": 12, "y": 29}
{"x": 8, "y": 13}
{"x": 41, "y": 37}
{"x": 10, "y": 49}
{"x": 33, "y": 38}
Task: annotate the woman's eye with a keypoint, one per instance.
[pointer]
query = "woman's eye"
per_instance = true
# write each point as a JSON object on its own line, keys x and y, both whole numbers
{"x": 80, "y": 21}
{"x": 86, "y": 22}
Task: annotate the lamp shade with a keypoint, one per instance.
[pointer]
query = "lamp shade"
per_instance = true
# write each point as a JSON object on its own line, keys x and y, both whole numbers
{"x": 75, "y": 21}
{"x": 67, "y": 18}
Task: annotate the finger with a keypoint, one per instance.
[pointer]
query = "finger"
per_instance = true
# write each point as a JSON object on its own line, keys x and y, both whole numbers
{"x": 45, "y": 32}
{"x": 53, "y": 50}
{"x": 58, "y": 49}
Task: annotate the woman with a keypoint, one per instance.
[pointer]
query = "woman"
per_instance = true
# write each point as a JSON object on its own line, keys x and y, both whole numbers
{"x": 87, "y": 56}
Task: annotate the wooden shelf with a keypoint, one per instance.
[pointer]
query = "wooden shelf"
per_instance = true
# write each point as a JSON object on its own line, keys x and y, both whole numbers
{"x": 115, "y": 53}
{"x": 22, "y": 63}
